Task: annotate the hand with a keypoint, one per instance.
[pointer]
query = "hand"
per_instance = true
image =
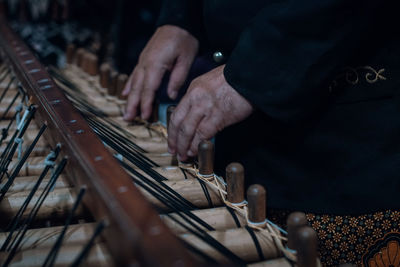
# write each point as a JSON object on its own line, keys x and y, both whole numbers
{"x": 171, "y": 48}
{"x": 209, "y": 106}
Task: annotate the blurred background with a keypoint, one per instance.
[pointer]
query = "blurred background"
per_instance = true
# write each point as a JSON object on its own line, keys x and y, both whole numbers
{"x": 114, "y": 30}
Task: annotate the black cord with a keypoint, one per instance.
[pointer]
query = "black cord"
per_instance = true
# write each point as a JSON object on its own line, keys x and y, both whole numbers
{"x": 206, "y": 193}
{"x": 12, "y": 146}
{"x": 234, "y": 216}
{"x": 21, "y": 162}
{"x": 7, "y": 88}
{"x": 9, "y": 106}
{"x": 32, "y": 215}
{"x": 256, "y": 243}
{"x": 51, "y": 257}
{"x": 78, "y": 261}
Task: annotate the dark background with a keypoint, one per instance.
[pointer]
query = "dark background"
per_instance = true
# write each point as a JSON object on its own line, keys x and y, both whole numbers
{"x": 116, "y": 30}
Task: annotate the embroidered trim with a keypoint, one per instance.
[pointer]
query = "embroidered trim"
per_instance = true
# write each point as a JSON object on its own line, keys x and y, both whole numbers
{"x": 352, "y": 76}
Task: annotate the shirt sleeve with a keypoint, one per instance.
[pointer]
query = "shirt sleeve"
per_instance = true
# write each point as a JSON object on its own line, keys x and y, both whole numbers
{"x": 186, "y": 14}
{"x": 284, "y": 57}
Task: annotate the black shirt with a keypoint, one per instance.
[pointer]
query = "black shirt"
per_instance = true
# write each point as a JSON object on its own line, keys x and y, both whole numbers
{"x": 322, "y": 76}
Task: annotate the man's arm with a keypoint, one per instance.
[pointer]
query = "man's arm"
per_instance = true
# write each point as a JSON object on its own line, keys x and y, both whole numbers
{"x": 184, "y": 14}
{"x": 172, "y": 48}
{"x": 278, "y": 66}
{"x": 291, "y": 48}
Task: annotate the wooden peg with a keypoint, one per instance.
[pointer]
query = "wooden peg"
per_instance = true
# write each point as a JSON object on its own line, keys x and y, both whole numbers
{"x": 206, "y": 157}
{"x": 154, "y": 113}
{"x": 105, "y": 72}
{"x": 295, "y": 221}
{"x": 235, "y": 183}
{"x": 79, "y": 56}
{"x": 93, "y": 65}
{"x": 112, "y": 87}
{"x": 170, "y": 110}
{"x": 86, "y": 62}
{"x": 70, "y": 53}
{"x": 122, "y": 79}
{"x": 256, "y": 198}
{"x": 306, "y": 247}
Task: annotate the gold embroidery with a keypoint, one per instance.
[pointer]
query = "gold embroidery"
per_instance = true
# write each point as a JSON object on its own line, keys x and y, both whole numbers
{"x": 352, "y": 76}
{"x": 371, "y": 75}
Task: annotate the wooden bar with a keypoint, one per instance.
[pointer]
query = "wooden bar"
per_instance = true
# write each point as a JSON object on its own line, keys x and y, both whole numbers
{"x": 134, "y": 230}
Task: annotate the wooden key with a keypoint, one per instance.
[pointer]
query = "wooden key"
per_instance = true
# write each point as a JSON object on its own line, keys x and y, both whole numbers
{"x": 92, "y": 68}
{"x": 235, "y": 183}
{"x": 256, "y": 198}
{"x": 121, "y": 82}
{"x": 79, "y": 57}
{"x": 112, "y": 87}
{"x": 70, "y": 53}
{"x": 295, "y": 221}
{"x": 85, "y": 62}
{"x": 105, "y": 72}
{"x": 306, "y": 247}
{"x": 206, "y": 158}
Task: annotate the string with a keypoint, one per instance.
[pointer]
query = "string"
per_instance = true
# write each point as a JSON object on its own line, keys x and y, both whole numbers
{"x": 51, "y": 257}
{"x": 16, "y": 219}
{"x": 80, "y": 258}
{"x": 32, "y": 215}
{"x": 114, "y": 141}
{"x": 266, "y": 229}
{"x": 9, "y": 152}
{"x": 21, "y": 162}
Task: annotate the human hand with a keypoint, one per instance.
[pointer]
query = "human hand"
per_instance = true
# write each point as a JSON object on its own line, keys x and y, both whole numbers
{"x": 209, "y": 106}
{"x": 170, "y": 48}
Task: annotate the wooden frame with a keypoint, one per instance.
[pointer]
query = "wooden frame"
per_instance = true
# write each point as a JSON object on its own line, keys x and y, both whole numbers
{"x": 134, "y": 231}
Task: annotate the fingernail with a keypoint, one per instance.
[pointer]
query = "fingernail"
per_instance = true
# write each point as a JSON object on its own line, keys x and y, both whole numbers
{"x": 171, "y": 150}
{"x": 173, "y": 95}
{"x": 190, "y": 153}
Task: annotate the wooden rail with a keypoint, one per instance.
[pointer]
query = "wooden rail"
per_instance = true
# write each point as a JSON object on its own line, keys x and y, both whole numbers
{"x": 134, "y": 231}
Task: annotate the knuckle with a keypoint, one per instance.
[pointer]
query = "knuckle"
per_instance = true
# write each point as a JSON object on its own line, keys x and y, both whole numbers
{"x": 184, "y": 130}
{"x": 205, "y": 131}
{"x": 201, "y": 133}
{"x": 174, "y": 121}
{"x": 196, "y": 81}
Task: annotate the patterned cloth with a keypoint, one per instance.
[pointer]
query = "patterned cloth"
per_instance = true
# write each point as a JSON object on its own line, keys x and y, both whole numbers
{"x": 366, "y": 240}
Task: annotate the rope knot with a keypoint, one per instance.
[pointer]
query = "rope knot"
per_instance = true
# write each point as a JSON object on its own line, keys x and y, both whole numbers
{"x": 49, "y": 160}
{"x": 18, "y": 140}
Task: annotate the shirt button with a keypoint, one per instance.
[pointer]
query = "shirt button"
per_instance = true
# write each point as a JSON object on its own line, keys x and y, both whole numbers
{"x": 218, "y": 57}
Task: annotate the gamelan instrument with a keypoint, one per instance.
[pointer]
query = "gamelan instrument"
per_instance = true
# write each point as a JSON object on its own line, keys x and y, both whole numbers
{"x": 79, "y": 186}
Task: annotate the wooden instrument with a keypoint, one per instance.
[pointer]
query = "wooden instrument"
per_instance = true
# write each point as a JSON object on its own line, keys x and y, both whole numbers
{"x": 79, "y": 186}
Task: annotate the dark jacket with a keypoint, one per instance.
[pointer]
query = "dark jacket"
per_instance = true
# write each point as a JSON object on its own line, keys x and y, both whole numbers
{"x": 323, "y": 77}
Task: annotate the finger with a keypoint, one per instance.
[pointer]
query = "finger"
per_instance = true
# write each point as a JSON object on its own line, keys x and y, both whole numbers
{"x": 207, "y": 129}
{"x": 134, "y": 96}
{"x": 152, "y": 81}
{"x": 176, "y": 119}
{"x": 178, "y": 76}
{"x": 128, "y": 85}
{"x": 187, "y": 130}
